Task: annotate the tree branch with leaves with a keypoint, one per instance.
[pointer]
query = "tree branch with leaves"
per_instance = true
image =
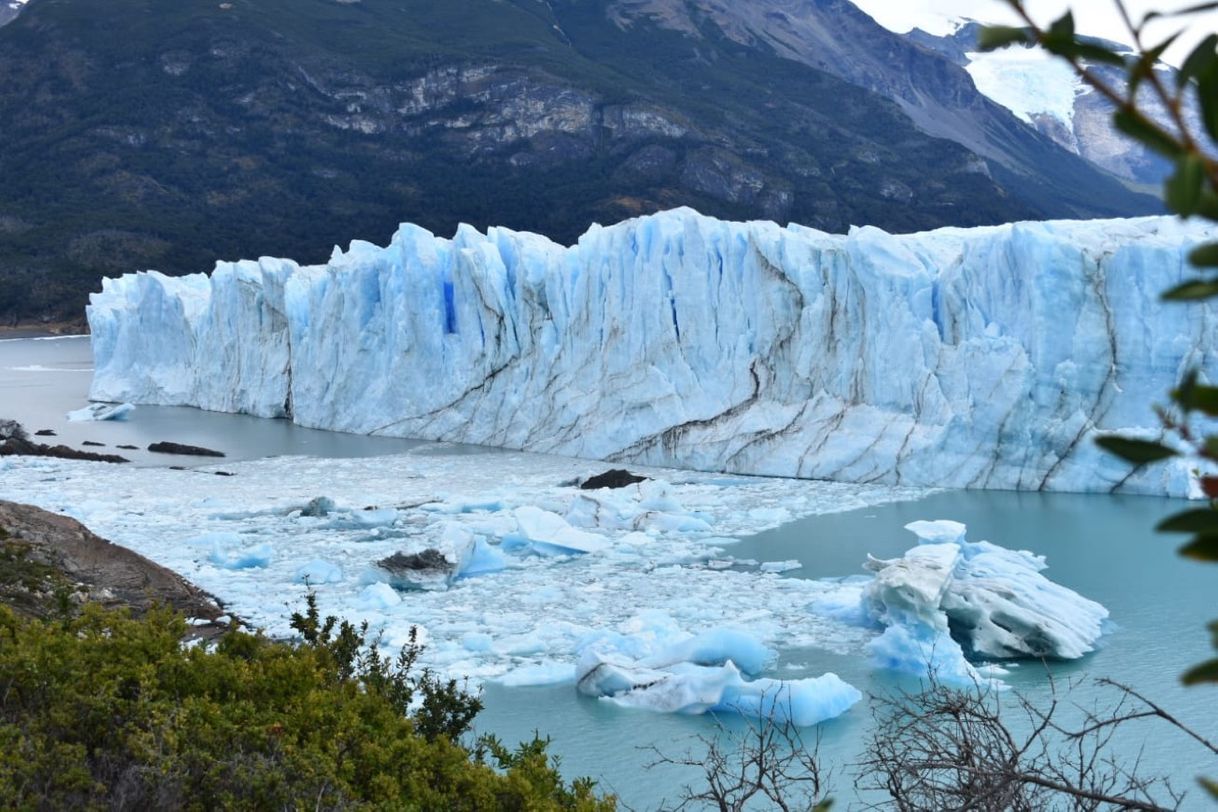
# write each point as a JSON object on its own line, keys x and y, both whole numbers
{"x": 1188, "y": 428}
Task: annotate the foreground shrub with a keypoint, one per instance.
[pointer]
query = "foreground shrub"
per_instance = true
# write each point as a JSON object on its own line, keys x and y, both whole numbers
{"x": 102, "y": 711}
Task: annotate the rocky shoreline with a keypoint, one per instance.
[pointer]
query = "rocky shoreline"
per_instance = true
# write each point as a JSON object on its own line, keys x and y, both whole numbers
{"x": 51, "y": 565}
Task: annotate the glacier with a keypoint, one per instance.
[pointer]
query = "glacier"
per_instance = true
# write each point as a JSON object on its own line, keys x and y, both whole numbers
{"x": 971, "y": 358}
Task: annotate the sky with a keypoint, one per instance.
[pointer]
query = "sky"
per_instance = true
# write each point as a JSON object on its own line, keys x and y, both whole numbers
{"x": 1097, "y": 17}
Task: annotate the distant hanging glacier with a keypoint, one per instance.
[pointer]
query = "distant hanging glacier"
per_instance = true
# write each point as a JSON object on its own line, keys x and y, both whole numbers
{"x": 983, "y": 358}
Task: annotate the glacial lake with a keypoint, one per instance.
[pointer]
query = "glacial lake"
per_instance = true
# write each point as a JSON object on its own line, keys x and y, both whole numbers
{"x": 1101, "y": 546}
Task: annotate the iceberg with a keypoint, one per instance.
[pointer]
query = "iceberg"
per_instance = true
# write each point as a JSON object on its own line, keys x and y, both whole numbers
{"x": 715, "y": 672}
{"x": 101, "y": 411}
{"x": 947, "y": 594}
{"x": 981, "y": 358}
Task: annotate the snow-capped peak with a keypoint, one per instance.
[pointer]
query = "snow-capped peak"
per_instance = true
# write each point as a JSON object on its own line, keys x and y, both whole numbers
{"x": 901, "y": 18}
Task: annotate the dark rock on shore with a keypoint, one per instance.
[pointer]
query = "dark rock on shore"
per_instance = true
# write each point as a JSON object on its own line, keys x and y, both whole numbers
{"x": 186, "y": 450}
{"x": 50, "y": 564}
{"x": 15, "y": 442}
{"x": 614, "y": 478}
{"x": 24, "y": 448}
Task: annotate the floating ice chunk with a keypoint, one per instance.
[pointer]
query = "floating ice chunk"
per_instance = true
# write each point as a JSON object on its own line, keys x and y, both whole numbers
{"x": 940, "y": 531}
{"x": 994, "y": 599}
{"x": 691, "y": 689}
{"x": 319, "y": 571}
{"x": 781, "y": 566}
{"x": 101, "y": 411}
{"x": 802, "y": 702}
{"x": 377, "y": 597}
{"x": 226, "y": 557}
{"x": 912, "y": 587}
{"x": 545, "y": 673}
{"x": 679, "y": 673}
{"x": 318, "y": 507}
{"x": 434, "y": 568}
{"x": 715, "y": 647}
{"x": 483, "y": 559}
{"x": 377, "y": 517}
{"x": 477, "y": 641}
{"x": 551, "y": 534}
{"x": 922, "y": 648}
{"x": 1006, "y": 608}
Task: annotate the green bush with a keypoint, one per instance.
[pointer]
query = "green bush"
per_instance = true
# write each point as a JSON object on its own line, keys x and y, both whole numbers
{"x": 103, "y": 711}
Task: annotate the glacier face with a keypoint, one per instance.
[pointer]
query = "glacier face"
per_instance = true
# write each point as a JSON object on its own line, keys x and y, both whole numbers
{"x": 961, "y": 357}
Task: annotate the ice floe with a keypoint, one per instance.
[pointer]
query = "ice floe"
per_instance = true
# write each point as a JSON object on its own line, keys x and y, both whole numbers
{"x": 101, "y": 411}
{"x": 535, "y": 571}
{"x": 996, "y": 601}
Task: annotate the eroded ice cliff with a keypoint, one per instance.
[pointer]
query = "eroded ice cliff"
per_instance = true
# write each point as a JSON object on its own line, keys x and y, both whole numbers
{"x": 961, "y": 357}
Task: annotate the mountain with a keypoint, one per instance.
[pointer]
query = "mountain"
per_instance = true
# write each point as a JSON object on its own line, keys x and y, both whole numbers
{"x": 1044, "y": 92}
{"x": 9, "y": 9}
{"x": 983, "y": 358}
{"x": 168, "y": 134}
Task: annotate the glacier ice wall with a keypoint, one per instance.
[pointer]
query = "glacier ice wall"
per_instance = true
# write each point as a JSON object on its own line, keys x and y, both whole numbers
{"x": 981, "y": 358}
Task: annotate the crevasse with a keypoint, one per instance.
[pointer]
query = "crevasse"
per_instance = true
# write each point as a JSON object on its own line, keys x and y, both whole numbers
{"x": 983, "y": 358}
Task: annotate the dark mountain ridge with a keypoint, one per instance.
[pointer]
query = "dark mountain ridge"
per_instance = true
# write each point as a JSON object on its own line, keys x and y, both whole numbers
{"x": 166, "y": 134}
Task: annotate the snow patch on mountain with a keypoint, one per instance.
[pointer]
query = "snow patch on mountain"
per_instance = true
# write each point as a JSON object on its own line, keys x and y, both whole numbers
{"x": 1027, "y": 81}
{"x": 901, "y": 18}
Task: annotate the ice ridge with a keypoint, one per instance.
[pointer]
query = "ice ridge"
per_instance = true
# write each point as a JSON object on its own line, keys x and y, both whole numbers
{"x": 983, "y": 358}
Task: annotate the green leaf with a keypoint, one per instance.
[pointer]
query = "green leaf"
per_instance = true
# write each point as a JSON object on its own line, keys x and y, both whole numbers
{"x": 1207, "y": 90}
{"x": 1200, "y": 520}
{"x": 1144, "y": 68}
{"x": 1202, "y": 548}
{"x": 1204, "y": 256}
{"x": 1206, "y": 672}
{"x": 1191, "y": 291}
{"x": 1059, "y": 39}
{"x": 1182, "y": 191}
{"x": 1138, "y": 127}
{"x": 1182, "y": 395}
{"x": 1197, "y": 398}
{"x": 1199, "y": 61}
{"x": 993, "y": 37}
{"x": 1098, "y": 53}
{"x": 1210, "y": 786}
{"x": 1139, "y": 452}
{"x": 1063, "y": 26}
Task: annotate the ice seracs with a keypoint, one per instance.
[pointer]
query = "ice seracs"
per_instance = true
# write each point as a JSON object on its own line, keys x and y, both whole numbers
{"x": 995, "y": 600}
{"x": 985, "y": 357}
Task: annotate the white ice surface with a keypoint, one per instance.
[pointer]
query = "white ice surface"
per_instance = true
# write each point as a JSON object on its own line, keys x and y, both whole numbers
{"x": 654, "y": 665}
{"x": 995, "y": 599}
{"x": 512, "y": 615}
{"x": 987, "y": 357}
{"x": 101, "y": 411}
{"x": 1029, "y": 82}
